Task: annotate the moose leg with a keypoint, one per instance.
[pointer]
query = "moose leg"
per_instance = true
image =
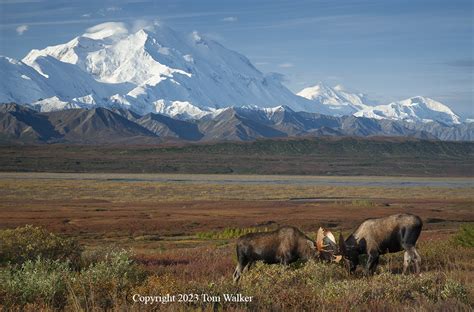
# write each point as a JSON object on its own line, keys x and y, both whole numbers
{"x": 417, "y": 260}
{"x": 248, "y": 266}
{"x": 411, "y": 256}
{"x": 241, "y": 267}
{"x": 406, "y": 261}
{"x": 237, "y": 272}
{"x": 372, "y": 263}
{"x": 243, "y": 263}
{"x": 285, "y": 259}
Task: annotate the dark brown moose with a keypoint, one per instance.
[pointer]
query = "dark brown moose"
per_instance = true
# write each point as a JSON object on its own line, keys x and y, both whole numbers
{"x": 284, "y": 245}
{"x": 375, "y": 237}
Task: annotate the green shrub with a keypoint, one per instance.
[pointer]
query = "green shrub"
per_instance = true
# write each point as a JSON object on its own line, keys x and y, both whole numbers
{"x": 29, "y": 242}
{"x": 465, "y": 235}
{"x": 40, "y": 281}
{"x": 105, "y": 283}
{"x": 454, "y": 289}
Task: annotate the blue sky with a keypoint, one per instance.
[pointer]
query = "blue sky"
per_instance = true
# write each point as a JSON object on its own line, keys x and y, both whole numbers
{"x": 389, "y": 49}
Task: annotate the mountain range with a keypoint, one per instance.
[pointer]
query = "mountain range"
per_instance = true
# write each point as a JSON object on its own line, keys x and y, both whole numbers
{"x": 20, "y": 124}
{"x": 157, "y": 83}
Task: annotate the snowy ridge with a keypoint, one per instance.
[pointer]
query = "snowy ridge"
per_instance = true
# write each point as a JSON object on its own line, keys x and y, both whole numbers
{"x": 19, "y": 79}
{"x": 415, "y": 109}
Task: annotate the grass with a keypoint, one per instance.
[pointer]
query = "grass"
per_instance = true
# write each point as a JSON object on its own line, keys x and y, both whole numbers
{"x": 465, "y": 237}
{"x": 106, "y": 280}
{"x": 99, "y": 189}
{"x": 230, "y": 233}
{"x": 362, "y": 203}
{"x": 104, "y": 208}
{"x": 356, "y": 203}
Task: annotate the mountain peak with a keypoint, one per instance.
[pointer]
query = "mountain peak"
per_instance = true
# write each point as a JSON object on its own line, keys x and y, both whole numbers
{"x": 153, "y": 68}
{"x": 312, "y": 91}
{"x": 428, "y": 103}
{"x": 337, "y": 100}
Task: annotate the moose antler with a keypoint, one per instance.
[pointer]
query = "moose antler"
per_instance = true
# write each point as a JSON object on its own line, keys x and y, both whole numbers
{"x": 329, "y": 235}
{"x": 319, "y": 239}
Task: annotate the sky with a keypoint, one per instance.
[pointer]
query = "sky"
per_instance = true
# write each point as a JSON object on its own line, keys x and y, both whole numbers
{"x": 390, "y": 50}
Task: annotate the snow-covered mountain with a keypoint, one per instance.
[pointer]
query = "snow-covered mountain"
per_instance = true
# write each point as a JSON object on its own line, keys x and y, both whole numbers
{"x": 187, "y": 76}
{"x": 154, "y": 69}
{"x": 415, "y": 109}
{"x": 338, "y": 100}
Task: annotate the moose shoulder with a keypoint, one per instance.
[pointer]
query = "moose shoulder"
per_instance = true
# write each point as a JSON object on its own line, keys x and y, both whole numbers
{"x": 384, "y": 235}
{"x": 284, "y": 245}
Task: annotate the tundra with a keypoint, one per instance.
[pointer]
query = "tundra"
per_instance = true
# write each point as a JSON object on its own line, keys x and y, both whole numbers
{"x": 375, "y": 237}
{"x": 284, "y": 245}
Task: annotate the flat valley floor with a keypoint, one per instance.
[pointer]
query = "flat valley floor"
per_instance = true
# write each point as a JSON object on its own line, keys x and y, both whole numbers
{"x": 125, "y": 209}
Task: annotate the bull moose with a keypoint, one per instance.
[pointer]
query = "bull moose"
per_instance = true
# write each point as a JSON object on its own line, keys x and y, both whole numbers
{"x": 375, "y": 237}
{"x": 284, "y": 245}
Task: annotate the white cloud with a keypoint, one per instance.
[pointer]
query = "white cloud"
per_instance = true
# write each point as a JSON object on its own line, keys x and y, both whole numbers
{"x": 108, "y": 11}
{"x": 21, "y": 29}
{"x": 229, "y": 19}
{"x": 87, "y": 15}
{"x": 113, "y": 9}
{"x": 106, "y": 29}
{"x": 286, "y": 65}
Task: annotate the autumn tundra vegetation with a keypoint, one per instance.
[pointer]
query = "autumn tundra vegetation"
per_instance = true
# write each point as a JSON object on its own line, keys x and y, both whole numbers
{"x": 44, "y": 271}
{"x": 95, "y": 245}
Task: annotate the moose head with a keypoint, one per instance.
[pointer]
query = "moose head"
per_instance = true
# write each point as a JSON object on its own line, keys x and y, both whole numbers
{"x": 349, "y": 254}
